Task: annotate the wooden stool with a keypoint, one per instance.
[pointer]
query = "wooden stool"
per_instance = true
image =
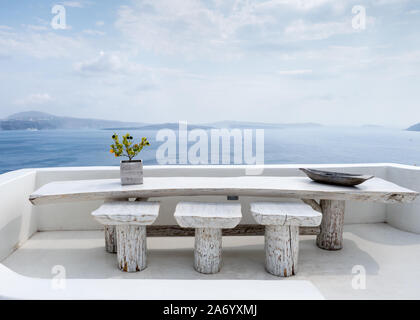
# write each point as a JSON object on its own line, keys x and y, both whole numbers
{"x": 208, "y": 219}
{"x": 282, "y": 221}
{"x": 130, "y": 219}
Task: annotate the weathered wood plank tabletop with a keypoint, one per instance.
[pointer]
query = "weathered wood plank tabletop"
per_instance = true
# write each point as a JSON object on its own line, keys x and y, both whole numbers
{"x": 375, "y": 189}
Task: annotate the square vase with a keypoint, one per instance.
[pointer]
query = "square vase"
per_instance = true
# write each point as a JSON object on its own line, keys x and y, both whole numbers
{"x": 131, "y": 172}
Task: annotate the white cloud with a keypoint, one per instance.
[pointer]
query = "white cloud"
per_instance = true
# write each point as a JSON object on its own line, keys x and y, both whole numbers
{"x": 294, "y": 72}
{"x": 413, "y": 12}
{"x": 102, "y": 64}
{"x": 36, "y": 27}
{"x": 72, "y": 4}
{"x": 187, "y": 26}
{"x": 43, "y": 44}
{"x": 385, "y": 2}
{"x": 222, "y": 30}
{"x": 301, "y": 30}
{"x": 272, "y": 65}
{"x": 297, "y": 4}
{"x": 117, "y": 67}
{"x": 93, "y": 32}
{"x": 34, "y": 99}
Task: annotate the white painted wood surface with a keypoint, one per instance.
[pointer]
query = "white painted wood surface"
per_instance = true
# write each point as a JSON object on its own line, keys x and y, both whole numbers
{"x": 313, "y": 203}
{"x": 208, "y": 250}
{"x": 125, "y": 227}
{"x": 331, "y": 229}
{"x": 208, "y": 215}
{"x": 281, "y": 250}
{"x": 208, "y": 219}
{"x": 375, "y": 189}
{"x": 285, "y": 214}
{"x": 110, "y": 238}
{"x": 282, "y": 221}
{"x": 131, "y": 247}
{"x": 127, "y": 212}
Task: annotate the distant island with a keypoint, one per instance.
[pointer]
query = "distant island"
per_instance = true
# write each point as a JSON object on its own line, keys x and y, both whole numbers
{"x": 219, "y": 125}
{"x": 35, "y": 120}
{"x": 159, "y": 126}
{"x": 261, "y": 125}
{"x": 415, "y": 127}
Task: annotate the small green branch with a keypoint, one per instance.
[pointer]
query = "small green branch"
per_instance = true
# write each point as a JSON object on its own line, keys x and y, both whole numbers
{"x": 127, "y": 148}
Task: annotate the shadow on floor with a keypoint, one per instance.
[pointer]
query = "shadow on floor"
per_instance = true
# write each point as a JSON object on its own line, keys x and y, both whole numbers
{"x": 239, "y": 261}
{"x": 314, "y": 261}
{"x": 383, "y": 233}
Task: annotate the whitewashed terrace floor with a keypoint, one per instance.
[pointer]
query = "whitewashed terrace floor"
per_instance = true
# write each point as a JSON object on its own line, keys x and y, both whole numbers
{"x": 391, "y": 258}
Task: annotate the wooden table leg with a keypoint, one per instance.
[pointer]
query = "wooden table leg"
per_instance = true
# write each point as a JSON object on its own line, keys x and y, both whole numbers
{"x": 331, "y": 229}
{"x": 110, "y": 239}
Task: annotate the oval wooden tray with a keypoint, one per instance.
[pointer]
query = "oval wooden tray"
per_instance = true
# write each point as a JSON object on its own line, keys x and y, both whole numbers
{"x": 336, "y": 178}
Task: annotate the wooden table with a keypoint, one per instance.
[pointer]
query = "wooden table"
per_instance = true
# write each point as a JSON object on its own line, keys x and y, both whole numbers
{"x": 328, "y": 199}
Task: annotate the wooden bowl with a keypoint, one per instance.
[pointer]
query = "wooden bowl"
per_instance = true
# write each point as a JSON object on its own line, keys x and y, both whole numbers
{"x": 336, "y": 178}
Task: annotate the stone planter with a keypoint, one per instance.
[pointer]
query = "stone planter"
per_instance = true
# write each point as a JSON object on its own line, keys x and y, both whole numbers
{"x": 131, "y": 172}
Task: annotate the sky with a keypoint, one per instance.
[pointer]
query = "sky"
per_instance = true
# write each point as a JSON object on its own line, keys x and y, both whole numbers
{"x": 279, "y": 61}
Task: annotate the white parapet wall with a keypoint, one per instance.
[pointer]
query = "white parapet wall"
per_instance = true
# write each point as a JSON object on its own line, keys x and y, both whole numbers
{"x": 19, "y": 219}
{"x": 405, "y": 217}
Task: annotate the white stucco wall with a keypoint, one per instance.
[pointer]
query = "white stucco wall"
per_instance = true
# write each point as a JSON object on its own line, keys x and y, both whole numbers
{"x": 405, "y": 217}
{"x": 17, "y": 223}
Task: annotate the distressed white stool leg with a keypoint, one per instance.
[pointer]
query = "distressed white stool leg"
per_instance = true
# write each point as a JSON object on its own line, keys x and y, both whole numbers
{"x": 110, "y": 239}
{"x": 281, "y": 250}
{"x": 331, "y": 233}
{"x": 131, "y": 247}
{"x": 208, "y": 250}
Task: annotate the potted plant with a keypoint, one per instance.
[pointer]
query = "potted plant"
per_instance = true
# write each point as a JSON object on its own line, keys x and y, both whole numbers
{"x": 131, "y": 171}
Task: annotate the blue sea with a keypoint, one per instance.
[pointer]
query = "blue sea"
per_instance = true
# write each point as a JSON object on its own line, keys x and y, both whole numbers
{"x": 50, "y": 148}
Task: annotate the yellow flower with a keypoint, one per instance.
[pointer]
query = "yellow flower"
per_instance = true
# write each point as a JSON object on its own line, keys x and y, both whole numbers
{"x": 112, "y": 151}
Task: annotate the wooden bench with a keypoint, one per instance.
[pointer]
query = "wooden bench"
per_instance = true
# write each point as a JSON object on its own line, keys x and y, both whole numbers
{"x": 282, "y": 221}
{"x": 130, "y": 219}
{"x": 208, "y": 219}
